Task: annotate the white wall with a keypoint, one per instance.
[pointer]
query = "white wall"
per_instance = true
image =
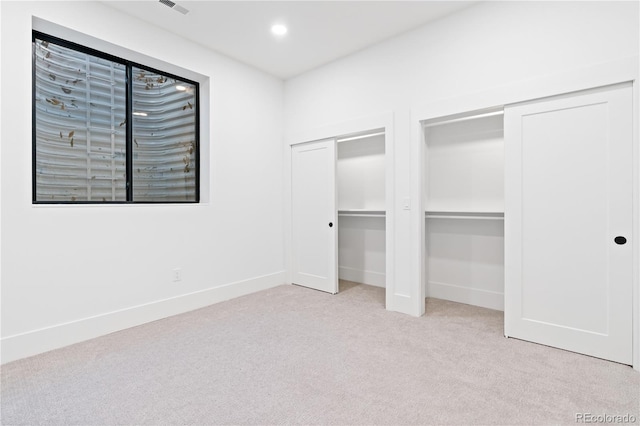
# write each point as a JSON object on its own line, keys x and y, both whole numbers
{"x": 489, "y": 45}
{"x": 360, "y": 173}
{"x": 361, "y": 250}
{"x": 464, "y": 166}
{"x": 74, "y": 272}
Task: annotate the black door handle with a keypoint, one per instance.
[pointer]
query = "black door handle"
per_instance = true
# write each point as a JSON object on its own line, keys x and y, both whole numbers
{"x": 330, "y": 224}
{"x": 620, "y": 240}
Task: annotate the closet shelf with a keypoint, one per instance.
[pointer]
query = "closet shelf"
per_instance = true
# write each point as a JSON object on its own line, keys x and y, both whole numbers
{"x": 361, "y": 213}
{"x": 464, "y": 215}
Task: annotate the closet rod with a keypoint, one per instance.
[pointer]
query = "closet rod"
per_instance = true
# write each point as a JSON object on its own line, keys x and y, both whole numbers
{"x": 455, "y": 216}
{"x": 353, "y": 138}
{"x": 470, "y": 117}
{"x": 361, "y": 213}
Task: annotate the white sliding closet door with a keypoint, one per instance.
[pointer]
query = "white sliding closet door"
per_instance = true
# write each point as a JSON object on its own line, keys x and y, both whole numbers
{"x": 314, "y": 215}
{"x": 568, "y": 222}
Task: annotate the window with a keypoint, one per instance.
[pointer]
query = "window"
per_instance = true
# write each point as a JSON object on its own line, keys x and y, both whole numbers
{"x": 107, "y": 130}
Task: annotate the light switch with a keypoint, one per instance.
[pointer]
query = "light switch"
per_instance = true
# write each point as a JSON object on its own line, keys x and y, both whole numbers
{"x": 406, "y": 203}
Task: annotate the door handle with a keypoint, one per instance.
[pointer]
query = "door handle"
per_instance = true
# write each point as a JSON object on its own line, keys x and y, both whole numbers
{"x": 330, "y": 224}
{"x": 620, "y": 240}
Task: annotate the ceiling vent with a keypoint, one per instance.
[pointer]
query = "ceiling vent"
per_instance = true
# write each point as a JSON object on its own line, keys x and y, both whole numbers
{"x": 174, "y": 6}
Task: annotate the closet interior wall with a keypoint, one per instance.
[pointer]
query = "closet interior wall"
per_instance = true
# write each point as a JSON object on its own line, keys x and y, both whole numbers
{"x": 464, "y": 209}
{"x": 360, "y": 181}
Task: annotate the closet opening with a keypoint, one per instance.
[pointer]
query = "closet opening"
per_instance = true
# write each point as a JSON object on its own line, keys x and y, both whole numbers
{"x": 361, "y": 204}
{"x": 463, "y": 193}
{"x": 523, "y": 206}
{"x": 341, "y": 222}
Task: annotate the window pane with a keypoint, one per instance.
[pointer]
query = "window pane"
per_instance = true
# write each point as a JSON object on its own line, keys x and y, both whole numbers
{"x": 79, "y": 124}
{"x": 164, "y": 138}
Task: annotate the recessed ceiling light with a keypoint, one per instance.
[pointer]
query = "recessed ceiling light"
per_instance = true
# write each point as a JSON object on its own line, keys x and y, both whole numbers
{"x": 279, "y": 29}
{"x": 181, "y": 88}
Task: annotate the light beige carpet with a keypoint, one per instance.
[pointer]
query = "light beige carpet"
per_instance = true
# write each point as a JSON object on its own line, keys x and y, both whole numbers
{"x": 291, "y": 355}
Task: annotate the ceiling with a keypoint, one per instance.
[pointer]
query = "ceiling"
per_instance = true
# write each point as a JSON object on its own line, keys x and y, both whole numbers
{"x": 319, "y": 31}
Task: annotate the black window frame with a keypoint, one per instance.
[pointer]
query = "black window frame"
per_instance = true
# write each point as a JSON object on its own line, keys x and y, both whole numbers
{"x": 128, "y": 116}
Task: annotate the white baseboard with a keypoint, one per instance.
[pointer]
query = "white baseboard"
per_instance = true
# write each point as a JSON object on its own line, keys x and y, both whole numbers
{"x": 45, "y": 339}
{"x": 470, "y": 296}
{"x": 377, "y": 279}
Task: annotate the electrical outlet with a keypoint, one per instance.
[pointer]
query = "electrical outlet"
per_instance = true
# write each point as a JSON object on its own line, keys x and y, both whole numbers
{"x": 177, "y": 274}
